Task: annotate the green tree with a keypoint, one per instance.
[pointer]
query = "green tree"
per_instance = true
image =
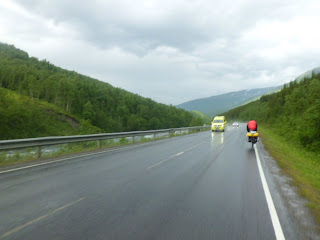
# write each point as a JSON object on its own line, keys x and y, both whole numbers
{"x": 88, "y": 111}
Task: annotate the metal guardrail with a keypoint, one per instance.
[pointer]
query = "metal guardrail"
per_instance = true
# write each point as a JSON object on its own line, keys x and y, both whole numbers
{"x": 48, "y": 141}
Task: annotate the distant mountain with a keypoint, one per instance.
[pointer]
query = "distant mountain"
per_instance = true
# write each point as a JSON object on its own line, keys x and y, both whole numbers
{"x": 222, "y": 103}
{"x": 308, "y": 74}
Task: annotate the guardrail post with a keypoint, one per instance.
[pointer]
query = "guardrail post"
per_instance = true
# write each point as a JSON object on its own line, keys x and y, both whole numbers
{"x": 154, "y": 136}
{"x": 132, "y": 139}
{"x": 99, "y": 143}
{"x": 38, "y": 151}
{"x": 180, "y": 131}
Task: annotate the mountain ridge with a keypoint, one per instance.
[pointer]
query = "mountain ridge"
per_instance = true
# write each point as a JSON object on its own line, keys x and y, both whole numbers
{"x": 224, "y": 102}
{"x": 308, "y": 74}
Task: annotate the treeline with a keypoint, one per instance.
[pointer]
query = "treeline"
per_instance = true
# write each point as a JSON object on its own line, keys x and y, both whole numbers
{"x": 294, "y": 112}
{"x": 109, "y": 108}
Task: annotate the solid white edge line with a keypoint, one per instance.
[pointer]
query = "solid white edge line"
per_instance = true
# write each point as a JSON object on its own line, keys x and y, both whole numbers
{"x": 65, "y": 159}
{"x": 273, "y": 213}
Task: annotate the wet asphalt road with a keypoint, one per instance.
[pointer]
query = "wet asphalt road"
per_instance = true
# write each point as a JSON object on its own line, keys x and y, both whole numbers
{"x": 200, "y": 186}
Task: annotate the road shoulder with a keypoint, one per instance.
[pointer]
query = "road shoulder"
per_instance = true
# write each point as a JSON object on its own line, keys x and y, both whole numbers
{"x": 291, "y": 207}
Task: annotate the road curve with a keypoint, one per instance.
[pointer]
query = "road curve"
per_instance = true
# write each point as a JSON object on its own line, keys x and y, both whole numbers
{"x": 199, "y": 186}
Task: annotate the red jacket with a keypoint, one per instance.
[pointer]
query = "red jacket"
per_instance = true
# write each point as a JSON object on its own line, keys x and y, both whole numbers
{"x": 252, "y": 126}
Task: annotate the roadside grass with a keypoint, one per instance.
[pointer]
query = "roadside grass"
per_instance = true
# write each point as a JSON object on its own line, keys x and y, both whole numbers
{"x": 303, "y": 166}
{"x": 8, "y": 158}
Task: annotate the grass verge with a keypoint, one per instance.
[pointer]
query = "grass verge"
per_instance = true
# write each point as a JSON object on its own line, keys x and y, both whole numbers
{"x": 303, "y": 166}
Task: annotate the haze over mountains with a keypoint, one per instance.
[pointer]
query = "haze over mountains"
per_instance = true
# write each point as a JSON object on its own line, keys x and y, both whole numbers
{"x": 308, "y": 74}
{"x": 214, "y": 105}
{"x": 224, "y": 102}
{"x": 34, "y": 90}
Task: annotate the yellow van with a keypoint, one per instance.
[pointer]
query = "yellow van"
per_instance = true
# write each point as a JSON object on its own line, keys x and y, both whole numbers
{"x": 219, "y": 123}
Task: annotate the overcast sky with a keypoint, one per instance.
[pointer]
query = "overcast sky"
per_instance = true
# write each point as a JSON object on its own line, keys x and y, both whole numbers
{"x": 170, "y": 50}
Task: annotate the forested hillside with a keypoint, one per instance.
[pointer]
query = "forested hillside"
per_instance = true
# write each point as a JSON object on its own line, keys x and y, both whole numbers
{"x": 110, "y": 109}
{"x": 22, "y": 117}
{"x": 294, "y": 112}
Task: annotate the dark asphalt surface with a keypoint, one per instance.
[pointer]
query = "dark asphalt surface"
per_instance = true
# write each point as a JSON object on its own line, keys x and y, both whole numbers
{"x": 199, "y": 186}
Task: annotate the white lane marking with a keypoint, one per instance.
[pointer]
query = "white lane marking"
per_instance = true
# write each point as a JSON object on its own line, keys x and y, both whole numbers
{"x": 65, "y": 159}
{"x": 194, "y": 146}
{"x": 39, "y": 218}
{"x": 175, "y": 155}
{"x": 162, "y": 161}
{"x": 273, "y": 213}
{"x": 178, "y": 154}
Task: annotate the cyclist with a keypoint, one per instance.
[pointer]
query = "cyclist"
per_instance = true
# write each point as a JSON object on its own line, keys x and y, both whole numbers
{"x": 252, "y": 126}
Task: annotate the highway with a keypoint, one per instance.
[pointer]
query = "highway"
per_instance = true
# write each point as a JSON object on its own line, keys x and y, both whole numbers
{"x": 198, "y": 186}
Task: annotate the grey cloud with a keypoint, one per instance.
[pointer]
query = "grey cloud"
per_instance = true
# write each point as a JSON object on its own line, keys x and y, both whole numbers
{"x": 108, "y": 25}
{"x": 185, "y": 26}
{"x": 172, "y": 51}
